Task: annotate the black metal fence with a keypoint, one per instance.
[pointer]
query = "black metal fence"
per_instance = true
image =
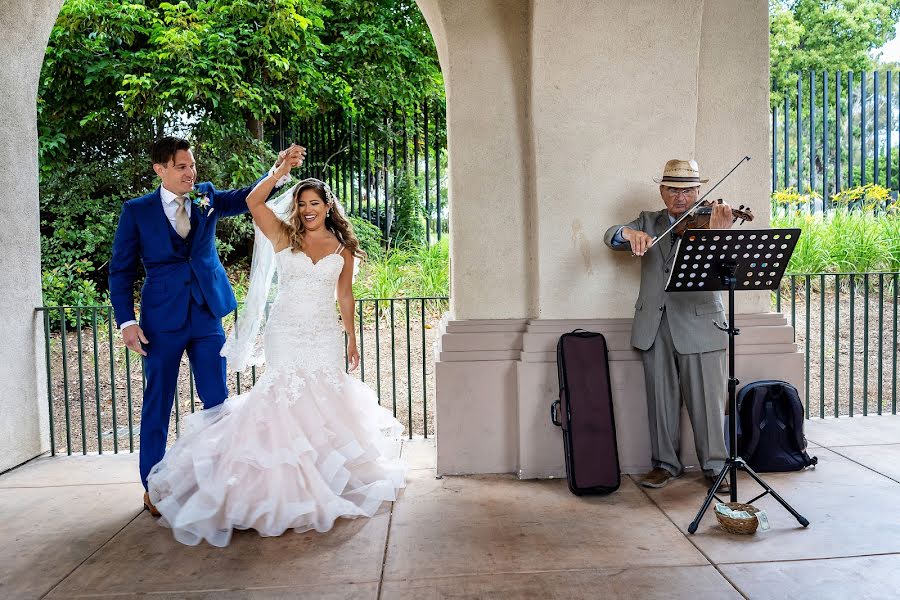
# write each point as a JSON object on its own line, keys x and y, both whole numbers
{"x": 363, "y": 160}
{"x": 837, "y": 130}
{"x": 95, "y": 385}
{"x": 846, "y": 324}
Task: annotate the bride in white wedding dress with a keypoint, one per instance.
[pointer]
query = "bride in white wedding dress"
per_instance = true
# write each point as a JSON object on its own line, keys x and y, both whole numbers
{"x": 308, "y": 444}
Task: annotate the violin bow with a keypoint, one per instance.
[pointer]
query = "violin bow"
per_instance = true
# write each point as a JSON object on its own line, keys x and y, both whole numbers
{"x": 688, "y": 212}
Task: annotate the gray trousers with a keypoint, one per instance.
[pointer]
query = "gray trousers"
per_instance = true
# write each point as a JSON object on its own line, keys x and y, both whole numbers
{"x": 698, "y": 380}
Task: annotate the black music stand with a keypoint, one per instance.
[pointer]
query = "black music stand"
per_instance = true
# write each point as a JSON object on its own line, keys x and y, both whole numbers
{"x": 725, "y": 259}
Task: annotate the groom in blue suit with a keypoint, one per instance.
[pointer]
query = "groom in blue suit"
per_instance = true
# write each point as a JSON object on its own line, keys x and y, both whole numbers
{"x": 186, "y": 291}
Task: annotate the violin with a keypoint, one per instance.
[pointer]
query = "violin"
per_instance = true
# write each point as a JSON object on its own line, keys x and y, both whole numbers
{"x": 703, "y": 208}
{"x": 699, "y": 219}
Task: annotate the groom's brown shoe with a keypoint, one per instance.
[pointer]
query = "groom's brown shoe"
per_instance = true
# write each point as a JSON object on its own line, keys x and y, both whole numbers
{"x": 149, "y": 505}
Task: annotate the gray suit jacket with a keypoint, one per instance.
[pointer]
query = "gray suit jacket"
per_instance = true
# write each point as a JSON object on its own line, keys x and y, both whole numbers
{"x": 690, "y": 314}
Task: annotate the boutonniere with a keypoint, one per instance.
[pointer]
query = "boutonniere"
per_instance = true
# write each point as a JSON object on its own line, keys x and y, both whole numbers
{"x": 201, "y": 201}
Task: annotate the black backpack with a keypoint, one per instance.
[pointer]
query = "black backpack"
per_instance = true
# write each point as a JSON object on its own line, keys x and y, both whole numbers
{"x": 770, "y": 427}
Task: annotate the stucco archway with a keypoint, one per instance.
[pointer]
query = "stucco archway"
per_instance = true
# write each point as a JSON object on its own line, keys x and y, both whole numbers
{"x": 558, "y": 114}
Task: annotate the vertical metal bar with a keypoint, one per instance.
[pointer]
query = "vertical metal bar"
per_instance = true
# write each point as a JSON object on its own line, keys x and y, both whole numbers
{"x": 881, "y": 341}
{"x": 416, "y": 141}
{"x": 315, "y": 148}
{"x": 799, "y": 125}
{"x": 393, "y": 363}
{"x": 81, "y": 382}
{"x": 346, "y": 157}
{"x": 794, "y": 305}
{"x": 812, "y": 131}
{"x": 887, "y": 137}
{"x": 787, "y": 149}
{"x": 130, "y": 405}
{"x": 377, "y": 350}
{"x": 837, "y": 342}
{"x": 320, "y": 135}
{"x": 333, "y": 173}
{"x": 351, "y": 156}
{"x": 825, "y": 197}
{"x": 850, "y": 129}
{"x": 48, "y": 359}
{"x": 368, "y": 182}
{"x": 97, "y": 380}
{"x": 437, "y": 172}
{"x": 304, "y": 133}
{"x": 280, "y": 131}
{"x": 778, "y": 299}
{"x": 894, "y": 352}
{"x": 362, "y": 346}
{"x": 875, "y": 166}
{"x": 852, "y": 336}
{"x": 424, "y": 378}
{"x": 177, "y": 410}
{"x": 862, "y": 127}
{"x": 822, "y": 346}
{"x": 427, "y": 179}
{"x": 360, "y": 167}
{"x": 774, "y": 120}
{"x": 837, "y": 132}
{"x": 237, "y": 376}
{"x": 808, "y": 312}
{"x": 65, "y": 370}
{"x": 394, "y": 156}
{"x": 387, "y": 171}
{"x": 191, "y": 386}
{"x": 405, "y": 144}
{"x": 409, "y": 415}
{"x": 112, "y": 380}
{"x": 866, "y": 344}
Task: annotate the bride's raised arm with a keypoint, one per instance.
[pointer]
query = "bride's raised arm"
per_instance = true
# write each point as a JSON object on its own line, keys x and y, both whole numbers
{"x": 267, "y": 221}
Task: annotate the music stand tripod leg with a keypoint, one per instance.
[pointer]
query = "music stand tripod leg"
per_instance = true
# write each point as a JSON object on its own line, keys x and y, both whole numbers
{"x": 800, "y": 518}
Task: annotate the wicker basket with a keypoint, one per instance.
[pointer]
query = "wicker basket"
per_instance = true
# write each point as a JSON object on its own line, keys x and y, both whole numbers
{"x": 739, "y": 526}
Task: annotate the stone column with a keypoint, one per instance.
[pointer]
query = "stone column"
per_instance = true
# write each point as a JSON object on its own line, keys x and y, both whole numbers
{"x": 24, "y": 429}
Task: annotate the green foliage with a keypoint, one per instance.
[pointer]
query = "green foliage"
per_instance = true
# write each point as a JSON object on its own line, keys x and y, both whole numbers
{"x": 820, "y": 35}
{"x": 408, "y": 223}
{"x": 118, "y": 74}
{"x": 861, "y": 234}
{"x": 406, "y": 272}
{"x": 383, "y": 53}
{"x": 430, "y": 269}
{"x": 369, "y": 237}
{"x": 70, "y": 285}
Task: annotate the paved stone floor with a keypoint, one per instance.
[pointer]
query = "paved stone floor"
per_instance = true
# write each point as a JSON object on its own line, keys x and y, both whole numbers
{"x": 72, "y": 528}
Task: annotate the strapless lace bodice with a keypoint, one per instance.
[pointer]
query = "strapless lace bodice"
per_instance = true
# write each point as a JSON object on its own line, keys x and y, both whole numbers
{"x": 303, "y": 328}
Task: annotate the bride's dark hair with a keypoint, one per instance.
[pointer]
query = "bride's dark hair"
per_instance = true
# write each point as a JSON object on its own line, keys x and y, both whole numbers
{"x": 335, "y": 221}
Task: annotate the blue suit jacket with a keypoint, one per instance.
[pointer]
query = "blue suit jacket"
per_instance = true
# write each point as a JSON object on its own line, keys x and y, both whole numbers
{"x": 143, "y": 235}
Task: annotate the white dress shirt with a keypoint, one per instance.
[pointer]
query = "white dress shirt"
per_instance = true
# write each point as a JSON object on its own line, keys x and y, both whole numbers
{"x": 169, "y": 207}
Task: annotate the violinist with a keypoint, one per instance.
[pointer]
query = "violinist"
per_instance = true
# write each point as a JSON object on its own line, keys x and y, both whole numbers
{"x": 682, "y": 350}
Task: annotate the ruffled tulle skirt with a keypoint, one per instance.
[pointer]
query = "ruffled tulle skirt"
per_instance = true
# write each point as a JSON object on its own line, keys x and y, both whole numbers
{"x": 298, "y": 451}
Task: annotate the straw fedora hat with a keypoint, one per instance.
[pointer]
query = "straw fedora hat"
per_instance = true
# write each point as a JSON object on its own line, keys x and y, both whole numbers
{"x": 681, "y": 174}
